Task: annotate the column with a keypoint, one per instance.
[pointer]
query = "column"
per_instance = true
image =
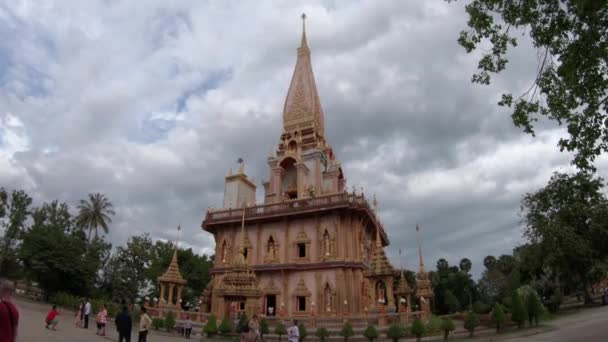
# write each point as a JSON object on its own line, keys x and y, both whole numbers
{"x": 179, "y": 294}
{"x": 170, "y": 300}
{"x": 162, "y": 293}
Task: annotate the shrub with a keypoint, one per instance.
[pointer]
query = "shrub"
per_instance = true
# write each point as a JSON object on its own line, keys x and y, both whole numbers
{"x": 417, "y": 329}
{"x": 371, "y": 333}
{"x": 157, "y": 323}
{"x": 554, "y": 302}
{"x": 447, "y": 325}
{"x": 395, "y": 332}
{"x": 347, "y": 331}
{"x": 303, "y": 332}
{"x": 519, "y": 314}
{"x": 211, "y": 327}
{"x": 280, "y": 330}
{"x": 498, "y": 316}
{"x": 65, "y": 300}
{"x": 170, "y": 321}
{"x": 225, "y": 327}
{"x": 433, "y": 326}
{"x": 481, "y": 308}
{"x": 241, "y": 323}
{"x": 471, "y": 322}
{"x": 535, "y": 308}
{"x": 264, "y": 329}
{"x": 322, "y": 334}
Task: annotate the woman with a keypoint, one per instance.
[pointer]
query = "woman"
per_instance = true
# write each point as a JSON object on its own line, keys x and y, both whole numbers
{"x": 102, "y": 319}
{"x": 248, "y": 335}
{"x": 254, "y": 325}
{"x": 78, "y": 315}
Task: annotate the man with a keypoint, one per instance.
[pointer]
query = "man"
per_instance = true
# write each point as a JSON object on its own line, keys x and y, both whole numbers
{"x": 87, "y": 313}
{"x": 254, "y": 325}
{"x": 51, "y": 318}
{"x": 293, "y": 333}
{"x": 144, "y": 325}
{"x": 188, "y": 327}
{"x": 9, "y": 316}
{"x": 123, "y": 325}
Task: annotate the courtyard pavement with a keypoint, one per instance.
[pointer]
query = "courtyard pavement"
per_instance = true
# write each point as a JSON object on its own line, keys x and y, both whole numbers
{"x": 31, "y": 327}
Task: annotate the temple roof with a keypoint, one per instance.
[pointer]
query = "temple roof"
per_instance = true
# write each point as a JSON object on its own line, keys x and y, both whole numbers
{"x": 302, "y": 104}
{"x": 380, "y": 266}
{"x": 172, "y": 274}
{"x": 403, "y": 287}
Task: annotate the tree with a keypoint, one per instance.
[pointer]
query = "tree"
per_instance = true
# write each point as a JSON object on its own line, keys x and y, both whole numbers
{"x": 471, "y": 322}
{"x": 433, "y": 325}
{"x": 264, "y": 329}
{"x": 242, "y": 323}
{"x": 395, "y": 332}
{"x": 417, "y": 329}
{"x": 568, "y": 218}
{"x": 211, "y": 327}
{"x": 303, "y": 332}
{"x": 322, "y": 334}
{"x": 442, "y": 265}
{"x": 489, "y": 262}
{"x": 447, "y": 326}
{"x": 371, "y": 333}
{"x": 14, "y": 211}
{"x": 534, "y": 307}
{"x": 519, "y": 314}
{"x": 280, "y": 330}
{"x": 451, "y": 301}
{"x": 226, "y": 327}
{"x": 95, "y": 213}
{"x": 498, "y": 316}
{"x": 571, "y": 83}
{"x": 347, "y": 331}
{"x": 465, "y": 265}
{"x": 170, "y": 321}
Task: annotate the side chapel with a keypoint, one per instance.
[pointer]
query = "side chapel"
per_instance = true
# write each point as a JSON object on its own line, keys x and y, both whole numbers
{"x": 312, "y": 247}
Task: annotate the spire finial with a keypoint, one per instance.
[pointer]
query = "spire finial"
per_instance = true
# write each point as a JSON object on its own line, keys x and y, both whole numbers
{"x": 419, "y": 248}
{"x": 304, "y": 42}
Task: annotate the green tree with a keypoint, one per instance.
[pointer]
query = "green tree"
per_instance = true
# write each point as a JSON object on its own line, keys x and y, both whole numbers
{"x": 417, "y": 329}
{"x": 471, "y": 322}
{"x": 451, "y": 301}
{"x": 170, "y": 321}
{"x": 371, "y": 333}
{"x": 95, "y": 213}
{"x": 302, "y": 331}
{"x": 395, "y": 332}
{"x": 535, "y": 308}
{"x": 280, "y": 330}
{"x": 264, "y": 328}
{"x": 519, "y": 313}
{"x": 442, "y": 265}
{"x": 14, "y": 211}
{"x": 568, "y": 218}
{"x": 447, "y": 325}
{"x": 211, "y": 327}
{"x": 433, "y": 325}
{"x": 225, "y": 327}
{"x": 347, "y": 331}
{"x": 322, "y": 334}
{"x": 498, "y": 316}
{"x": 571, "y": 84}
{"x": 465, "y": 265}
{"x": 242, "y": 323}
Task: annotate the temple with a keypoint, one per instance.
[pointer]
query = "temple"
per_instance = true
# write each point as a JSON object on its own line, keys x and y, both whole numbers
{"x": 312, "y": 248}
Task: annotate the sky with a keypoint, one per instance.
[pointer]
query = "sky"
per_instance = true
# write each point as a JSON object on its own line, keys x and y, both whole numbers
{"x": 151, "y": 103}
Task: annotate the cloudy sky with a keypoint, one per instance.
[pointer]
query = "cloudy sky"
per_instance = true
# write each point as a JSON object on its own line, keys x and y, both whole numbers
{"x": 152, "y": 102}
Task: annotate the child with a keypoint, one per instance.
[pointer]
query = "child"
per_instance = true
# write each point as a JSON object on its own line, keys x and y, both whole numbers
{"x": 102, "y": 319}
{"x": 51, "y": 318}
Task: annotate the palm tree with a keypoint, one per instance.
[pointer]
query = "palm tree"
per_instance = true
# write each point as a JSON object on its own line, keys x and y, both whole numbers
{"x": 95, "y": 213}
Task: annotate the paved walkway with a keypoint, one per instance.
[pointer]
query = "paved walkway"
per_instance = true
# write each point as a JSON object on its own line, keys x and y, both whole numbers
{"x": 31, "y": 327}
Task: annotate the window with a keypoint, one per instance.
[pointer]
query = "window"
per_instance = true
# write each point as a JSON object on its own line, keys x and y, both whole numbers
{"x": 301, "y": 304}
{"x": 245, "y": 253}
{"x": 242, "y": 306}
{"x": 301, "y": 250}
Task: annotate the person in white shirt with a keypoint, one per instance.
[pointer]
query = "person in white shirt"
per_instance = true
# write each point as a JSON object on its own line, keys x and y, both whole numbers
{"x": 87, "y": 313}
{"x": 293, "y": 333}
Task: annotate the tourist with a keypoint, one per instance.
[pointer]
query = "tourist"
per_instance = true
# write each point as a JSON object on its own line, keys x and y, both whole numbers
{"x": 123, "y": 324}
{"x": 51, "y": 318}
{"x": 87, "y": 313}
{"x": 78, "y": 314}
{"x": 144, "y": 325}
{"x": 248, "y": 335}
{"x": 102, "y": 319}
{"x": 293, "y": 333}
{"x": 188, "y": 327}
{"x": 9, "y": 315}
{"x": 254, "y": 325}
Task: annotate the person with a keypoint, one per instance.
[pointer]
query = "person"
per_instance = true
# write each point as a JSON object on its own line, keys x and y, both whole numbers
{"x": 87, "y": 313}
{"x": 254, "y": 325}
{"x": 248, "y": 335}
{"x": 51, "y": 318}
{"x": 293, "y": 333}
{"x": 123, "y": 325}
{"x": 9, "y": 315}
{"x": 102, "y": 319}
{"x": 188, "y": 327}
{"x": 144, "y": 325}
{"x": 78, "y": 314}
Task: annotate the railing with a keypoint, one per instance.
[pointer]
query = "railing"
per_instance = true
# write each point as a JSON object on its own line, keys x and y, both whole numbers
{"x": 345, "y": 199}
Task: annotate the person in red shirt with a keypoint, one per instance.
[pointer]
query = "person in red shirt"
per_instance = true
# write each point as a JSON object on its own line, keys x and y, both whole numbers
{"x": 9, "y": 316}
{"x": 51, "y": 318}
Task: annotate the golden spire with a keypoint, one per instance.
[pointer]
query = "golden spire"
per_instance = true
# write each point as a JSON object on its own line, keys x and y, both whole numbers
{"x": 304, "y": 41}
{"x": 240, "y": 258}
{"x": 378, "y": 238}
{"x": 419, "y": 248}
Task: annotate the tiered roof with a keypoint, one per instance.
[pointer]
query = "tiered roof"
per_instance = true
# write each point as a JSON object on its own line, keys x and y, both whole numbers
{"x": 380, "y": 266}
{"x": 172, "y": 274}
{"x": 403, "y": 288}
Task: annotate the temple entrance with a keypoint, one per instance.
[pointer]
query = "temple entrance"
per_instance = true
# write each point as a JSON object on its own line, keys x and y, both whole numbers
{"x": 233, "y": 305}
{"x": 271, "y": 305}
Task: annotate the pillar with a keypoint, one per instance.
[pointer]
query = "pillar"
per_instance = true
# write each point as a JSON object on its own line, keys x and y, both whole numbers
{"x": 162, "y": 293}
{"x": 179, "y": 294}
{"x": 170, "y": 300}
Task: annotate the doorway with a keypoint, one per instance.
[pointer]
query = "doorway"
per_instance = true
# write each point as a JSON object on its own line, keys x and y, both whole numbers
{"x": 271, "y": 305}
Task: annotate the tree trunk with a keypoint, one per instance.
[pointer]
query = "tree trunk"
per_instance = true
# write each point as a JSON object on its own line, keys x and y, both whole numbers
{"x": 90, "y": 230}
{"x": 471, "y": 333}
{"x": 588, "y": 299}
{"x": 445, "y": 335}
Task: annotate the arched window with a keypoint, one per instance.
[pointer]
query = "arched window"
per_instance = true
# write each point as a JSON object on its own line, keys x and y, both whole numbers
{"x": 327, "y": 300}
{"x": 381, "y": 295}
{"x": 289, "y": 181}
{"x": 292, "y": 147}
{"x": 326, "y": 243}
{"x": 271, "y": 248}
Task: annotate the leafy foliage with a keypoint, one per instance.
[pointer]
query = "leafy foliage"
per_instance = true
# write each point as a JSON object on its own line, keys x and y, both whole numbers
{"x": 519, "y": 313}
{"x": 280, "y": 330}
{"x": 498, "y": 316}
{"x": 303, "y": 332}
{"x": 433, "y": 326}
{"x": 322, "y": 334}
{"x": 226, "y": 327}
{"x": 453, "y": 287}
{"x": 418, "y": 329}
{"x": 264, "y": 328}
{"x": 14, "y": 211}
{"x": 571, "y": 84}
{"x": 447, "y": 325}
{"x": 157, "y": 323}
{"x": 347, "y": 331}
{"x": 471, "y": 322}
{"x": 242, "y": 323}
{"x": 211, "y": 327}
{"x": 371, "y": 333}
{"x": 395, "y": 332}
{"x": 170, "y": 321}
{"x": 95, "y": 213}
{"x": 534, "y": 307}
